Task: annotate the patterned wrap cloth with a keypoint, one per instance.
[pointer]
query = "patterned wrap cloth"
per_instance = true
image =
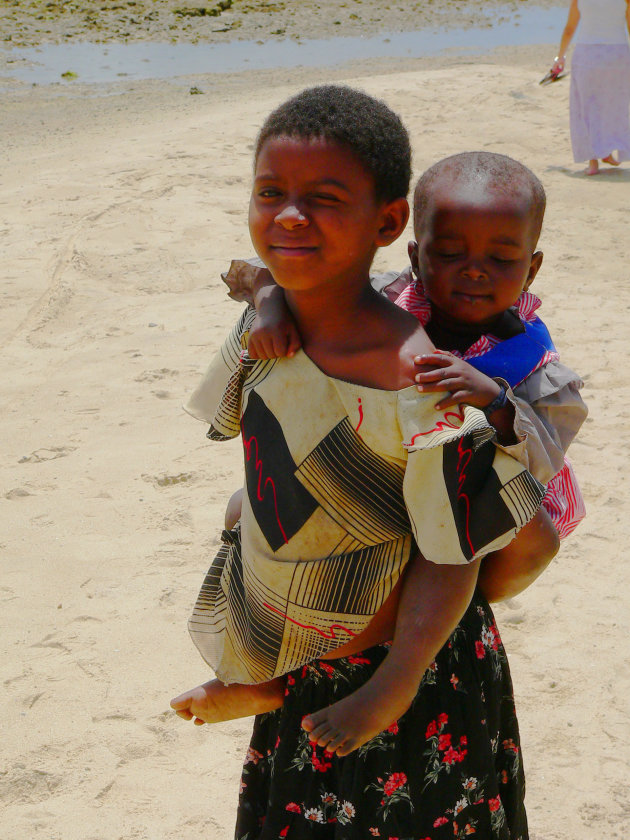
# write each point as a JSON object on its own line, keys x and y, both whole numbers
{"x": 341, "y": 480}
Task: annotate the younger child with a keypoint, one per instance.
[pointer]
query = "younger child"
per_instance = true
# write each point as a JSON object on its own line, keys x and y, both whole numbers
{"x": 346, "y": 464}
{"x": 477, "y": 219}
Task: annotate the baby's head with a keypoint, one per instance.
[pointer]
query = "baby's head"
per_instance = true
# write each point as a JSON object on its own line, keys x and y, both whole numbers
{"x": 331, "y": 174}
{"x": 477, "y": 220}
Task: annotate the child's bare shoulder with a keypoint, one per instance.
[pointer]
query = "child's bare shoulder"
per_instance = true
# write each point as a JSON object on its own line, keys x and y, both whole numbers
{"x": 412, "y": 341}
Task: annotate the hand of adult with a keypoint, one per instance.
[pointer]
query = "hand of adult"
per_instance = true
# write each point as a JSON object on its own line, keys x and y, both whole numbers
{"x": 558, "y": 65}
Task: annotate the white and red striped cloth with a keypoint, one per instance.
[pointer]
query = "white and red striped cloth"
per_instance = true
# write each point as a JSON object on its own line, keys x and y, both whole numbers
{"x": 563, "y": 500}
{"x": 413, "y": 299}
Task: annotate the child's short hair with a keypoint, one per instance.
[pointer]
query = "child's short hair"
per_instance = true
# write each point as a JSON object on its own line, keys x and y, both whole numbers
{"x": 368, "y": 127}
{"x": 502, "y": 173}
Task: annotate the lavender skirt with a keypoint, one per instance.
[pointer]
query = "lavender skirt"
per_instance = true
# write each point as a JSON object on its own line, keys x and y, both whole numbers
{"x": 600, "y": 101}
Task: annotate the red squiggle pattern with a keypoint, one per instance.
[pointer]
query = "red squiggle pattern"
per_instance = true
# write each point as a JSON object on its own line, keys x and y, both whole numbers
{"x": 441, "y": 425}
{"x": 260, "y": 490}
{"x": 464, "y": 456}
{"x": 360, "y": 415}
{"x": 327, "y": 635}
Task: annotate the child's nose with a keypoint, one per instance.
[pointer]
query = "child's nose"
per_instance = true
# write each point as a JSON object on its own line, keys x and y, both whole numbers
{"x": 291, "y": 217}
{"x": 474, "y": 271}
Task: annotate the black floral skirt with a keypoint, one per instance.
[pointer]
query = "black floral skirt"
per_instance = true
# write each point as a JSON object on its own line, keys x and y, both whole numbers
{"x": 449, "y": 768}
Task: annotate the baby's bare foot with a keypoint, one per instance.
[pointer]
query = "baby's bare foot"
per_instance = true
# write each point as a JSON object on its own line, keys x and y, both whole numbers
{"x": 214, "y": 702}
{"x": 347, "y": 725}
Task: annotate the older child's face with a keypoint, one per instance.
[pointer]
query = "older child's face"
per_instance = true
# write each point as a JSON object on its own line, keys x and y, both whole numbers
{"x": 474, "y": 253}
{"x": 313, "y": 215}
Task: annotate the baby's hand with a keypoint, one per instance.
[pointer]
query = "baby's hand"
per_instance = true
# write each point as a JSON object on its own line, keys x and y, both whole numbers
{"x": 274, "y": 333}
{"x": 450, "y": 373}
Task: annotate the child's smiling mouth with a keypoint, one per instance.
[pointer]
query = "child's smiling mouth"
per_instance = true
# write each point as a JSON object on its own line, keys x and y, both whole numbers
{"x": 293, "y": 250}
{"x": 472, "y": 297}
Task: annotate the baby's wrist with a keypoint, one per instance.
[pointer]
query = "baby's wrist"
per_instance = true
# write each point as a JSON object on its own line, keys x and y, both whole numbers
{"x": 498, "y": 402}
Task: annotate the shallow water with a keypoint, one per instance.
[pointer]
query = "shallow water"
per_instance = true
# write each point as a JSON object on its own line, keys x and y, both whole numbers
{"x": 106, "y": 63}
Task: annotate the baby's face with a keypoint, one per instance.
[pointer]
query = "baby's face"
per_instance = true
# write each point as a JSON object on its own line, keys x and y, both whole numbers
{"x": 474, "y": 253}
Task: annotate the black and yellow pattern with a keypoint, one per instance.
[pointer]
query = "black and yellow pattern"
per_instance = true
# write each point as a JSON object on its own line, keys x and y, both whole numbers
{"x": 340, "y": 480}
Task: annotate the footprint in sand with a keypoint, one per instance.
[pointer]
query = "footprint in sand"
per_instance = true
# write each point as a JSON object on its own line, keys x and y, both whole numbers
{"x": 17, "y": 493}
{"x": 46, "y": 454}
{"x": 23, "y": 785}
{"x": 155, "y": 375}
{"x": 167, "y": 480}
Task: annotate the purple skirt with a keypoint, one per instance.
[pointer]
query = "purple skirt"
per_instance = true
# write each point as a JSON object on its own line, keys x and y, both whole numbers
{"x": 600, "y": 101}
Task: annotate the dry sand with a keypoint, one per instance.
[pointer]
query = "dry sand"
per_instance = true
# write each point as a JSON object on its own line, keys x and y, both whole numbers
{"x": 119, "y": 212}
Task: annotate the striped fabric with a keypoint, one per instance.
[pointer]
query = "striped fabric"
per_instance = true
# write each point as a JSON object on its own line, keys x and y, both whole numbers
{"x": 563, "y": 500}
{"x": 340, "y": 479}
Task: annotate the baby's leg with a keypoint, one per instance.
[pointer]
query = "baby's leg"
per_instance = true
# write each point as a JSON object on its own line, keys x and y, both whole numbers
{"x": 233, "y": 509}
{"x": 214, "y": 702}
{"x": 509, "y": 571}
{"x": 432, "y": 601}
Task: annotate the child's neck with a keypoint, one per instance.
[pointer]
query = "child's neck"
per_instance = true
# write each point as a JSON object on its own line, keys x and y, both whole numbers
{"x": 449, "y": 335}
{"x": 332, "y": 318}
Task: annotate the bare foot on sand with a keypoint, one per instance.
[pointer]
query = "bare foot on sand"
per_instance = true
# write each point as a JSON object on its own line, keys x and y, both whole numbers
{"x": 611, "y": 160}
{"x": 592, "y": 168}
{"x": 347, "y": 725}
{"x": 213, "y": 701}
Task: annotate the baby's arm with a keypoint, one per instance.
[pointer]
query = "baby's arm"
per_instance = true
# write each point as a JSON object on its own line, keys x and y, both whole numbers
{"x": 273, "y": 333}
{"x": 432, "y": 601}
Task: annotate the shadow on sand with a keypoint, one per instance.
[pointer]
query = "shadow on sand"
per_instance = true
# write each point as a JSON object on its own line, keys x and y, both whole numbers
{"x": 606, "y": 174}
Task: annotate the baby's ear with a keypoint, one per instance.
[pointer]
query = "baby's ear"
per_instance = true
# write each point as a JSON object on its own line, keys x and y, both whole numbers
{"x": 534, "y": 268}
{"x": 394, "y": 220}
{"x": 412, "y": 250}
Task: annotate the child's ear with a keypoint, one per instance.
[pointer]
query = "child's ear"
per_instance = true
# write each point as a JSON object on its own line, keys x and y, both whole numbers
{"x": 395, "y": 215}
{"x": 412, "y": 250}
{"x": 534, "y": 268}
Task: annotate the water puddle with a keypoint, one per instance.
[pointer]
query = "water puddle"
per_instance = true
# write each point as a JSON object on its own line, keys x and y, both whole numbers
{"x": 114, "y": 62}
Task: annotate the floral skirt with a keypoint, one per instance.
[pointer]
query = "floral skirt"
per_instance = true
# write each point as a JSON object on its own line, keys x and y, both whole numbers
{"x": 449, "y": 768}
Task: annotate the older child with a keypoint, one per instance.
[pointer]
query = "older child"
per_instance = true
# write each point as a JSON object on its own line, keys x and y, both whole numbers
{"x": 477, "y": 219}
{"x": 346, "y": 464}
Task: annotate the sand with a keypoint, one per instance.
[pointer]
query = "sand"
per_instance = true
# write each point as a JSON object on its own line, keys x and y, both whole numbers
{"x": 118, "y": 213}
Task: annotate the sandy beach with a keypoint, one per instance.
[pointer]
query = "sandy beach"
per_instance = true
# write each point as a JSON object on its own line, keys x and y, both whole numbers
{"x": 120, "y": 207}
